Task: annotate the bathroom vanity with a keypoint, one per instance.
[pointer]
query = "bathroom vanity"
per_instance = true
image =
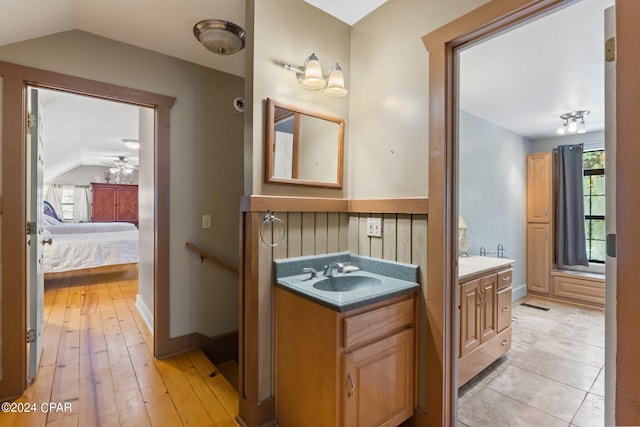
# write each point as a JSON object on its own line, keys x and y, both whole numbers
{"x": 484, "y": 313}
{"x": 340, "y": 359}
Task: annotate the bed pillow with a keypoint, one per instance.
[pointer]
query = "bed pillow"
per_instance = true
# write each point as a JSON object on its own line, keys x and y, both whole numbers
{"x": 48, "y": 210}
{"x": 49, "y": 220}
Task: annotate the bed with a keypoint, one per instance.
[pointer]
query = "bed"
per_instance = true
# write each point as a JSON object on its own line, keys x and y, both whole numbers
{"x": 87, "y": 245}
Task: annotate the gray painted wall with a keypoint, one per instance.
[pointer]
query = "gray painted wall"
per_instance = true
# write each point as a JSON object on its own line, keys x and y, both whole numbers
{"x": 206, "y": 169}
{"x": 82, "y": 175}
{"x": 591, "y": 140}
{"x": 492, "y": 185}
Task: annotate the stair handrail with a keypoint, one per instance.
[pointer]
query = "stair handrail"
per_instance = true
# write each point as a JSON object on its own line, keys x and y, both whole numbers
{"x": 211, "y": 257}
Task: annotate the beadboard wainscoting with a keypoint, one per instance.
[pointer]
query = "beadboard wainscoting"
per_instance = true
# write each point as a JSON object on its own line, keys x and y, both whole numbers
{"x": 313, "y": 227}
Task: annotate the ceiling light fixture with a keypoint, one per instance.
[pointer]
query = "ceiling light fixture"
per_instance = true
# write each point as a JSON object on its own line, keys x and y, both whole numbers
{"x": 219, "y": 36}
{"x": 122, "y": 167}
{"x": 310, "y": 77}
{"x": 132, "y": 144}
{"x": 573, "y": 122}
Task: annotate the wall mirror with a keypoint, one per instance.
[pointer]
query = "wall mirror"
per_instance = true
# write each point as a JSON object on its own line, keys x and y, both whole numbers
{"x": 303, "y": 147}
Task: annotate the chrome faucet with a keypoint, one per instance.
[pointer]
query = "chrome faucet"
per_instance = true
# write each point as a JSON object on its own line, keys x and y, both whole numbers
{"x": 311, "y": 271}
{"x": 329, "y": 269}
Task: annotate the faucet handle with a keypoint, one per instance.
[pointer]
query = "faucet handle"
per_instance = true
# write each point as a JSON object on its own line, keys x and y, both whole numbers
{"x": 311, "y": 270}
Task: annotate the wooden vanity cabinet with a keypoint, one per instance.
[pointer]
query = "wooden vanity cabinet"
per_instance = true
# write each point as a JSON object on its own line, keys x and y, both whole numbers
{"x": 354, "y": 368}
{"x": 484, "y": 321}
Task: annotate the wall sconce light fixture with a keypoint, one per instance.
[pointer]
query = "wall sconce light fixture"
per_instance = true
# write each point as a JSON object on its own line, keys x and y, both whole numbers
{"x": 219, "y": 36}
{"x": 310, "y": 77}
{"x": 573, "y": 122}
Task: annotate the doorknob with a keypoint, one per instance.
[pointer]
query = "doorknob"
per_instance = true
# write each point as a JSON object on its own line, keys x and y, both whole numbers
{"x": 48, "y": 241}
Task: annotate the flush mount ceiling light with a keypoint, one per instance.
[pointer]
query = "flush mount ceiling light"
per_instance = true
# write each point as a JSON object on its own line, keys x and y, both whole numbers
{"x": 132, "y": 144}
{"x": 573, "y": 122}
{"x": 219, "y": 36}
{"x": 310, "y": 77}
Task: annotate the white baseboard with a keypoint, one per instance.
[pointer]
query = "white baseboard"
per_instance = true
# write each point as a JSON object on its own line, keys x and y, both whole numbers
{"x": 146, "y": 314}
{"x": 518, "y": 292}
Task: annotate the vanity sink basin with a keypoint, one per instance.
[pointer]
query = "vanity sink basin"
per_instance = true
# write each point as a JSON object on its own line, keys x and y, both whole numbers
{"x": 347, "y": 283}
{"x": 373, "y": 281}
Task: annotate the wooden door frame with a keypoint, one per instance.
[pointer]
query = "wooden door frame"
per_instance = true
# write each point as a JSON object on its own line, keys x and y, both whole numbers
{"x": 627, "y": 385}
{"x": 443, "y": 45}
{"x": 491, "y": 18}
{"x": 15, "y": 79}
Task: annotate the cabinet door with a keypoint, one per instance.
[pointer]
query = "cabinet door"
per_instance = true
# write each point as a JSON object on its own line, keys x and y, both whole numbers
{"x": 469, "y": 316}
{"x": 103, "y": 207}
{"x": 539, "y": 187}
{"x": 488, "y": 307}
{"x": 378, "y": 382}
{"x": 127, "y": 204}
{"x": 538, "y": 257}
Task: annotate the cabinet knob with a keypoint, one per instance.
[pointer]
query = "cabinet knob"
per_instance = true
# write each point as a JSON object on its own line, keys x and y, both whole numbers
{"x": 504, "y": 342}
{"x": 503, "y": 309}
{"x": 351, "y": 384}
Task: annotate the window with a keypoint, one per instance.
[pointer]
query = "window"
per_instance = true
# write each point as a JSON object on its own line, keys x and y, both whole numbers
{"x": 594, "y": 204}
{"x": 68, "y": 199}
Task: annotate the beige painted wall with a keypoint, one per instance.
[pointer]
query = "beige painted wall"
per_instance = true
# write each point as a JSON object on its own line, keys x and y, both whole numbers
{"x": 388, "y": 116}
{"x": 146, "y": 219}
{"x": 288, "y": 31}
{"x": 206, "y": 157}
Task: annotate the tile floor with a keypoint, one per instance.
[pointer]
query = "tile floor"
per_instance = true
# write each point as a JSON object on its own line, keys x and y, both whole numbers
{"x": 552, "y": 376}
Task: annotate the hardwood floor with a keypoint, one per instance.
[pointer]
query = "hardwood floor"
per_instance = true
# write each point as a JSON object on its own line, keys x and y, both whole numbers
{"x": 97, "y": 367}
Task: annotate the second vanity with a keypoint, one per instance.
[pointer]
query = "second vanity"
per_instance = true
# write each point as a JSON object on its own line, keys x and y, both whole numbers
{"x": 344, "y": 342}
{"x": 484, "y": 313}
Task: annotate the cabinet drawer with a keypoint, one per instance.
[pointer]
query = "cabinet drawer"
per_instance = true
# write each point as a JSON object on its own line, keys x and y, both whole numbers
{"x": 504, "y": 278}
{"x": 378, "y": 323}
{"x": 504, "y": 308}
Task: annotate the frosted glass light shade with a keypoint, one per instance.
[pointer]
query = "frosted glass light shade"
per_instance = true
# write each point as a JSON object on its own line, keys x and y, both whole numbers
{"x": 573, "y": 126}
{"x": 335, "y": 87}
{"x": 581, "y": 127}
{"x": 313, "y": 74}
{"x": 219, "y": 36}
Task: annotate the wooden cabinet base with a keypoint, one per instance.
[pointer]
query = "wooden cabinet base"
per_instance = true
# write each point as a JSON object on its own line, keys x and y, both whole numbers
{"x": 473, "y": 363}
{"x": 345, "y": 369}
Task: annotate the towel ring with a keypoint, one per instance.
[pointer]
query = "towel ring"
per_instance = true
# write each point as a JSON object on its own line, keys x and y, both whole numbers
{"x": 271, "y": 218}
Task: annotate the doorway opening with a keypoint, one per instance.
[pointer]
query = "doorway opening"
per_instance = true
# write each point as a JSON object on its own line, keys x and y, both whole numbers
{"x": 498, "y": 126}
{"x": 16, "y": 80}
{"x": 96, "y": 162}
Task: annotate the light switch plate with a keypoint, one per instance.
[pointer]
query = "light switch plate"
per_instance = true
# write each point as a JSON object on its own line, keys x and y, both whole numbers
{"x": 206, "y": 221}
{"x": 374, "y": 227}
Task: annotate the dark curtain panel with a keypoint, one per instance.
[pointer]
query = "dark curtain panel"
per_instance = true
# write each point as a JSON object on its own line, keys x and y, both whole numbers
{"x": 571, "y": 245}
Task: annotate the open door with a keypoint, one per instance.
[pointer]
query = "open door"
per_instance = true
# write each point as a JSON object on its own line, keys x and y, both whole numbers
{"x": 610, "y": 215}
{"x": 35, "y": 238}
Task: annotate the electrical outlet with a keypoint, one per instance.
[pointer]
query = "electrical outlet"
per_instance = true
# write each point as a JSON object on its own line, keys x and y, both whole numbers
{"x": 206, "y": 221}
{"x": 374, "y": 227}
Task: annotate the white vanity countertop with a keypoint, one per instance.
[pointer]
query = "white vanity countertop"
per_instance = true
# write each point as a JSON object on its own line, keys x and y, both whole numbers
{"x": 470, "y": 265}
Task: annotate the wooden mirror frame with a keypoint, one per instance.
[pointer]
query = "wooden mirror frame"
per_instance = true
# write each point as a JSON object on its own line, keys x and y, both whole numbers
{"x": 270, "y": 144}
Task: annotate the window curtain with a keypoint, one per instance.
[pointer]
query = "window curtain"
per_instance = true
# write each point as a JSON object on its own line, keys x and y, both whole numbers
{"x": 53, "y": 195}
{"x": 571, "y": 245}
{"x": 82, "y": 204}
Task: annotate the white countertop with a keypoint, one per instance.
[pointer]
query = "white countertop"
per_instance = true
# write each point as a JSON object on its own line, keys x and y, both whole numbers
{"x": 470, "y": 265}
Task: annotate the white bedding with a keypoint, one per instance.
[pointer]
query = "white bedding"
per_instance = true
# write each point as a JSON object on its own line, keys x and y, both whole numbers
{"x": 88, "y": 227}
{"x": 87, "y": 250}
